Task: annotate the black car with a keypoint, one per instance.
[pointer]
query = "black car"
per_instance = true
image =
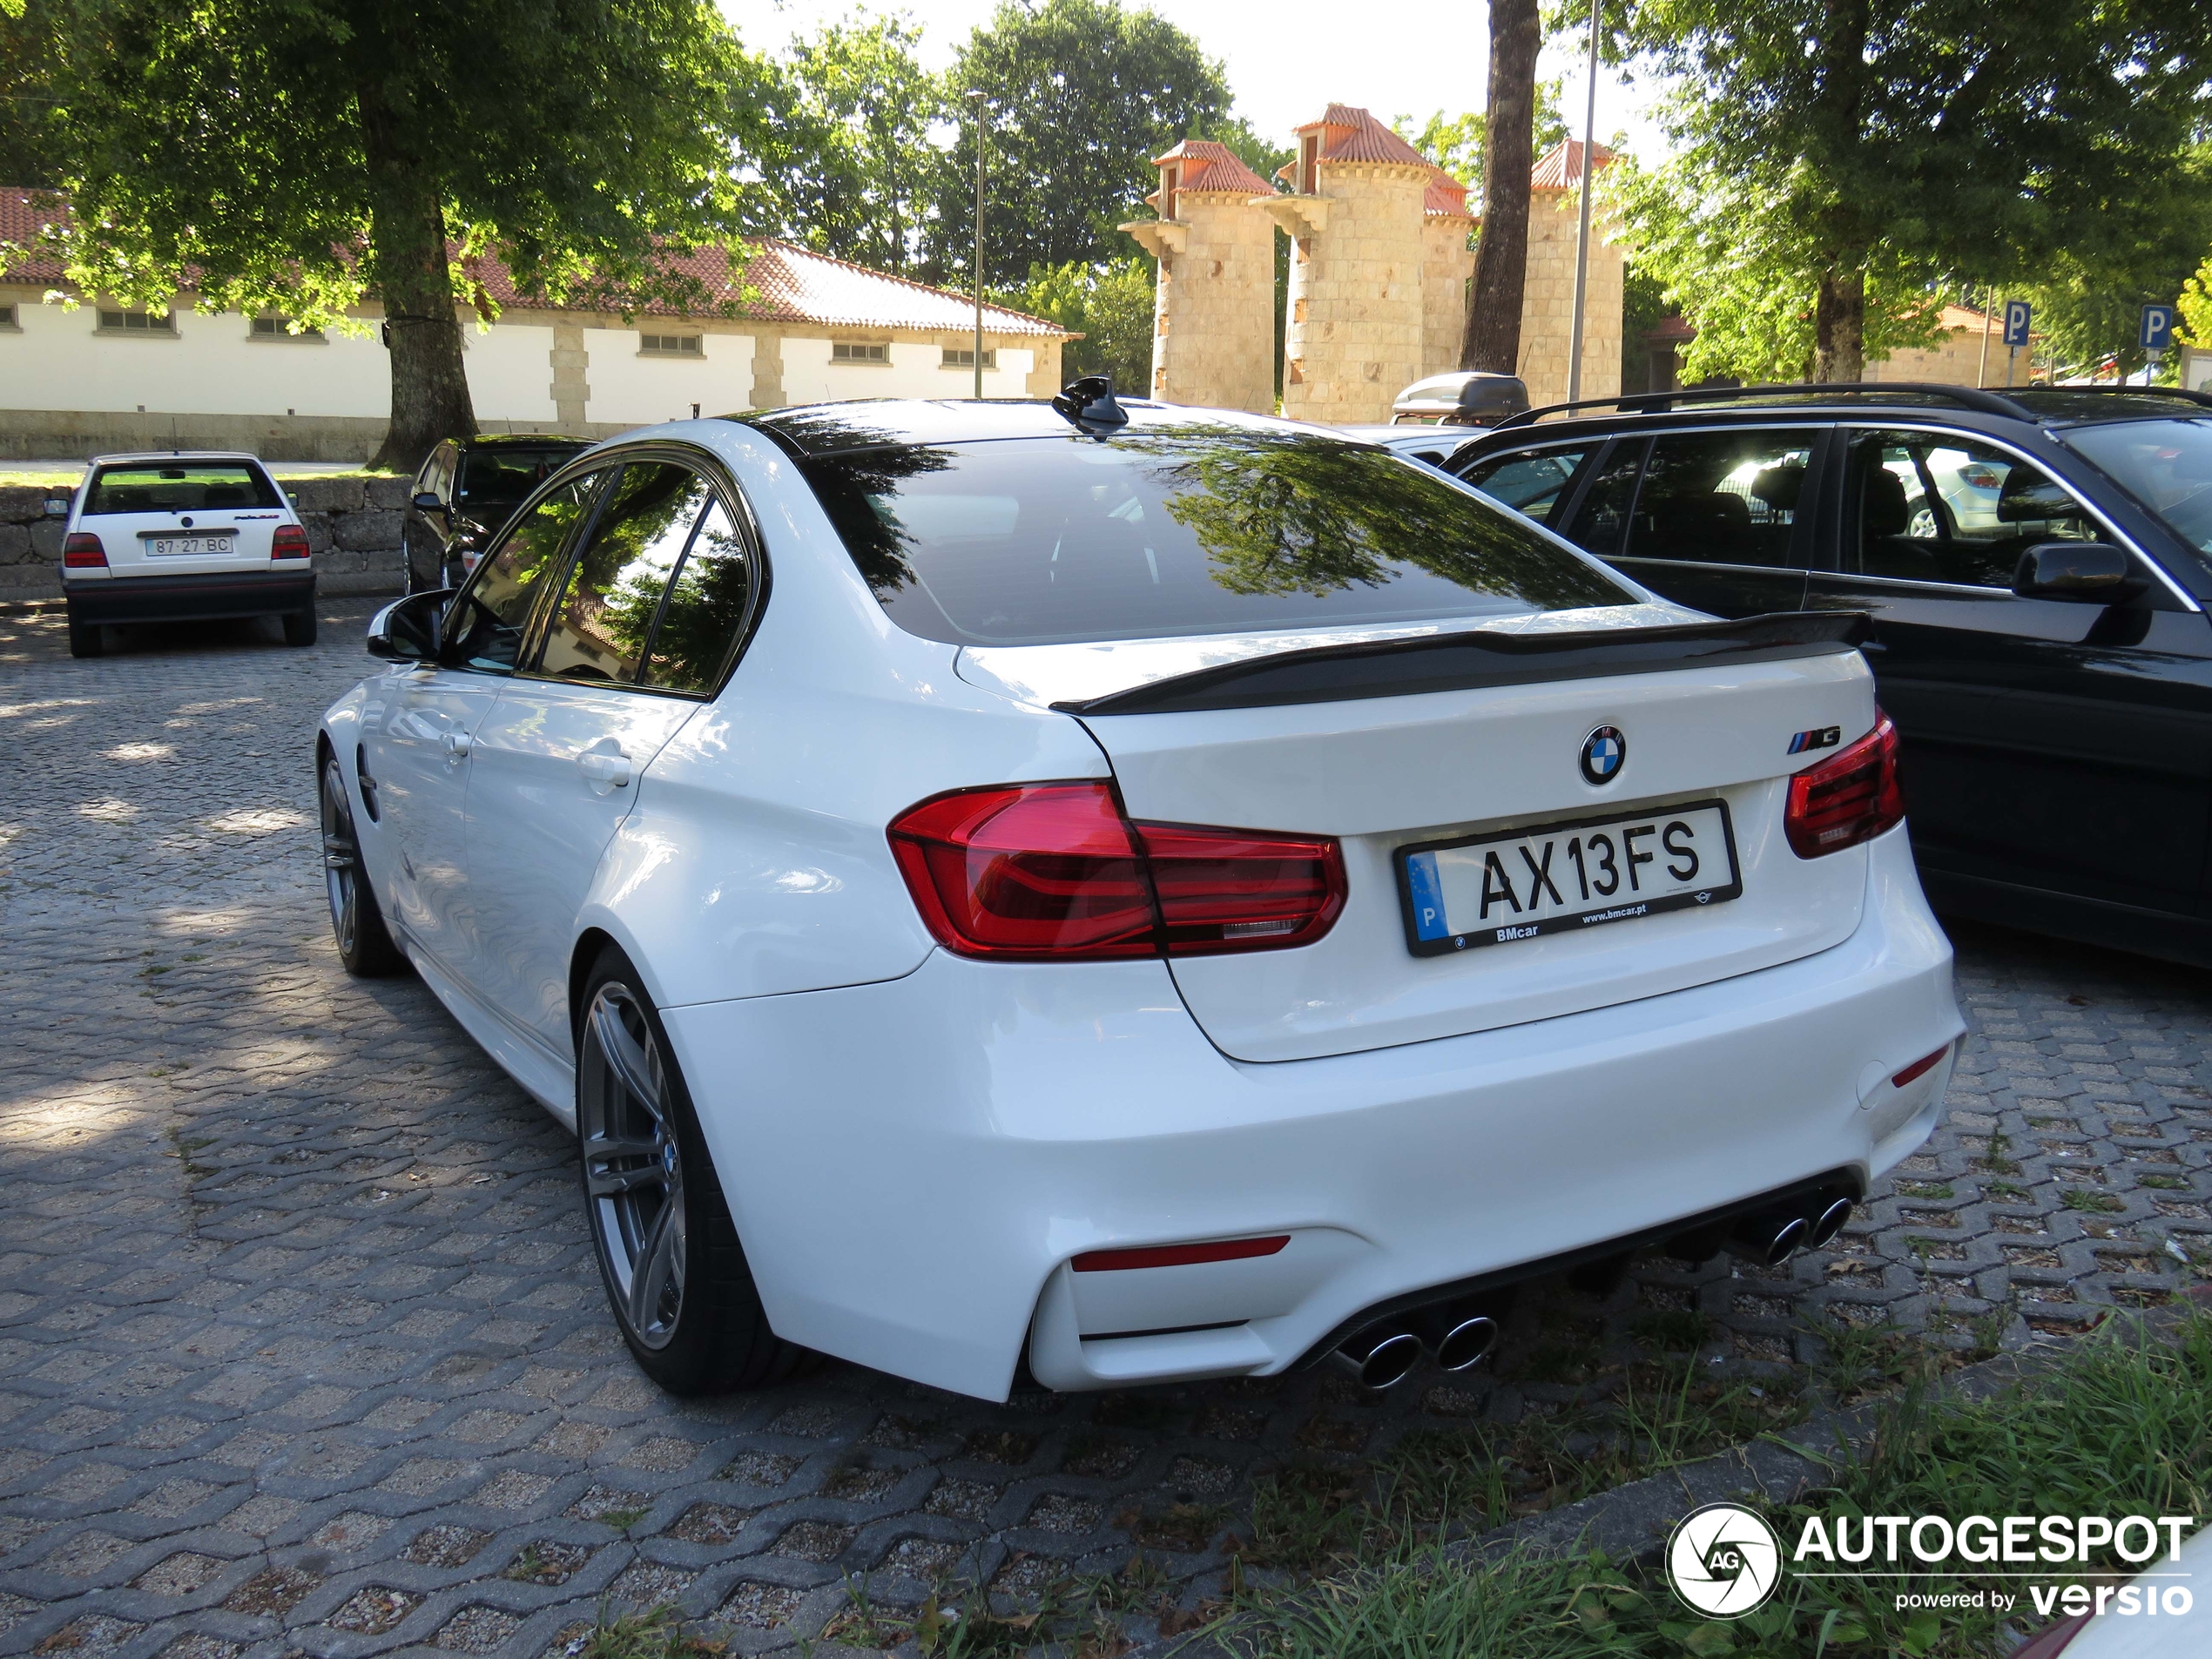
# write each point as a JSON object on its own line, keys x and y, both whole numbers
{"x": 465, "y": 491}
{"x": 2036, "y": 565}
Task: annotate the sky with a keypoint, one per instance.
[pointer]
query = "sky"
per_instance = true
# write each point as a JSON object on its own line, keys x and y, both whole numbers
{"x": 1286, "y": 58}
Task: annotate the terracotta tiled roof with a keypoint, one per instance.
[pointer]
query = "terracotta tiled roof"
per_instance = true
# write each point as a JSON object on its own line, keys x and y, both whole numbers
{"x": 1349, "y": 133}
{"x": 1211, "y": 166}
{"x": 790, "y": 285}
{"x": 1561, "y": 168}
{"x": 1447, "y": 197}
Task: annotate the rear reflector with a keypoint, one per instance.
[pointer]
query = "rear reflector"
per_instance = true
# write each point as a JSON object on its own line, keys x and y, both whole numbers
{"x": 1233, "y": 1250}
{"x": 290, "y": 542}
{"x": 83, "y": 551}
{"x": 1921, "y": 1066}
{"x": 1849, "y": 798}
{"x": 1041, "y": 871}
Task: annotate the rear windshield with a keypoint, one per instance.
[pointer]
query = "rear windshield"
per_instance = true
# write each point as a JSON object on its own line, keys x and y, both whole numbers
{"x": 178, "y": 486}
{"x": 1180, "y": 531}
{"x": 502, "y": 477}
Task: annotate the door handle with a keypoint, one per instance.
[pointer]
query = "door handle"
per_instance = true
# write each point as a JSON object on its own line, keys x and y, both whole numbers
{"x": 612, "y": 770}
{"x": 457, "y": 746}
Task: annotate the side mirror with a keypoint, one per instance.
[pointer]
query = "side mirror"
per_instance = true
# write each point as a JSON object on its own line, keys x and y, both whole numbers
{"x": 424, "y": 502}
{"x": 57, "y": 507}
{"x": 407, "y": 629}
{"x": 2084, "y": 572}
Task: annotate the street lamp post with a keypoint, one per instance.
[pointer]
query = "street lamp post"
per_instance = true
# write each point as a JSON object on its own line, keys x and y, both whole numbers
{"x": 1583, "y": 237}
{"x": 983, "y": 110}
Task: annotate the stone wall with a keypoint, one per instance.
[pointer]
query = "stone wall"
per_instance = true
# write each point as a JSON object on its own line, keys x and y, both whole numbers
{"x": 353, "y": 525}
{"x": 1548, "y": 303}
{"x": 1447, "y": 263}
{"x": 1354, "y": 334}
{"x": 1213, "y": 319}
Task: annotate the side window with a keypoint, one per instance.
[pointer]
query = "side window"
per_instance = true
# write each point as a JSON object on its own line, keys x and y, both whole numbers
{"x": 1726, "y": 497}
{"x": 614, "y": 587}
{"x": 1531, "y": 482}
{"x": 1935, "y": 507}
{"x": 489, "y": 620}
{"x": 705, "y": 612}
{"x": 1602, "y": 522}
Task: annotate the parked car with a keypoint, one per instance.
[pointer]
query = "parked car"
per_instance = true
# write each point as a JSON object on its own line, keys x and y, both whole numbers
{"x": 1464, "y": 397}
{"x": 1154, "y": 894}
{"x": 464, "y": 491}
{"x": 182, "y": 535}
{"x": 2036, "y": 564}
{"x": 1434, "y": 444}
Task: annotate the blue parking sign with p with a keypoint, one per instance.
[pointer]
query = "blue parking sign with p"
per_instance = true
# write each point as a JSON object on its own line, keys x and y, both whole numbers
{"x": 2158, "y": 327}
{"x": 2017, "y": 314}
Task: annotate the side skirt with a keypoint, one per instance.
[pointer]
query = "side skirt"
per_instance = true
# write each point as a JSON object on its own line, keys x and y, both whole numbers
{"x": 549, "y": 1082}
{"x": 2091, "y": 921}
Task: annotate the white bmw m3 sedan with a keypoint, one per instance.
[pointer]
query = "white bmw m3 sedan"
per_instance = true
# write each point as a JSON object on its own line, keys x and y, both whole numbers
{"x": 1135, "y": 892}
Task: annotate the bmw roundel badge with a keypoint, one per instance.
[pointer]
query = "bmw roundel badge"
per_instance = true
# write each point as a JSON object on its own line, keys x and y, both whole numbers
{"x": 1604, "y": 753}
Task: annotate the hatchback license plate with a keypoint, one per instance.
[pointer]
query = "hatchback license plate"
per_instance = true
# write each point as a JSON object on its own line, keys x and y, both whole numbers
{"x": 1562, "y": 878}
{"x": 189, "y": 547}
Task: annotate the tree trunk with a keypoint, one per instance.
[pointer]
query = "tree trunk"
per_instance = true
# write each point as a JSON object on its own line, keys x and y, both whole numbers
{"x": 1493, "y": 337}
{"x": 407, "y": 264}
{"x": 1839, "y": 328}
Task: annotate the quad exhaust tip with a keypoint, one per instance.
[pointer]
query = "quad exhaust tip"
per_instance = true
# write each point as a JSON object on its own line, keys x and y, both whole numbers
{"x": 1381, "y": 1358}
{"x": 1467, "y": 1343}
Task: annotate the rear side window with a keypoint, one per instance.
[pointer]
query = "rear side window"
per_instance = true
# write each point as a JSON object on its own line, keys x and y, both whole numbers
{"x": 178, "y": 486}
{"x": 503, "y": 476}
{"x": 487, "y": 624}
{"x": 1185, "y": 530}
{"x": 1726, "y": 497}
{"x": 614, "y": 587}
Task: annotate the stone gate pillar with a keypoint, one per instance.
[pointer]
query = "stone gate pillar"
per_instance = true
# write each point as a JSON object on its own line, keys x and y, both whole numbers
{"x": 1548, "y": 302}
{"x": 1213, "y": 314}
{"x": 1447, "y": 264}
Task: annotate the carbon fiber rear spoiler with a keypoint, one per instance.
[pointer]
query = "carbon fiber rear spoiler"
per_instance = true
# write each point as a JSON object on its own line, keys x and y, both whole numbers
{"x": 1477, "y": 657}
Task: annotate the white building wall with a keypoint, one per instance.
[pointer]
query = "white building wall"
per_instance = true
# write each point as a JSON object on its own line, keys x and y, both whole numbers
{"x": 915, "y": 370}
{"x": 510, "y": 373}
{"x": 211, "y": 365}
{"x": 639, "y": 389}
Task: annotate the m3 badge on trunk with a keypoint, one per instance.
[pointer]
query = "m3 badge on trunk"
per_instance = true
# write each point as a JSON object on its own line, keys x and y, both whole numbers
{"x": 1604, "y": 753}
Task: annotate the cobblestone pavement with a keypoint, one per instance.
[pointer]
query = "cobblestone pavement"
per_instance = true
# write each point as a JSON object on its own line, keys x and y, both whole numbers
{"x": 301, "y": 1348}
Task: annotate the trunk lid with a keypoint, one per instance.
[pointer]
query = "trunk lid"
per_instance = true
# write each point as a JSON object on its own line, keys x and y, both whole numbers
{"x": 1383, "y": 771}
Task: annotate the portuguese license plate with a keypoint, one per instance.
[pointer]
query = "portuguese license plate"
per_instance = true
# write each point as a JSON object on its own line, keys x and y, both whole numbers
{"x": 189, "y": 547}
{"x": 1564, "y": 878}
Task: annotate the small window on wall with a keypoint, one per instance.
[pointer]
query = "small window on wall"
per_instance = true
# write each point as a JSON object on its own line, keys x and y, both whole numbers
{"x": 137, "y": 323}
{"x": 7, "y": 319}
{"x": 1308, "y": 158}
{"x": 281, "y": 328}
{"x": 670, "y": 346}
{"x": 964, "y": 357}
{"x": 859, "y": 351}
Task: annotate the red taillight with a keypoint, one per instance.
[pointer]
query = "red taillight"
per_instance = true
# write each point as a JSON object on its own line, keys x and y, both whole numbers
{"x": 1920, "y": 1068}
{"x": 1849, "y": 798}
{"x": 1227, "y": 1249}
{"x": 83, "y": 551}
{"x": 1038, "y": 871}
{"x": 290, "y": 542}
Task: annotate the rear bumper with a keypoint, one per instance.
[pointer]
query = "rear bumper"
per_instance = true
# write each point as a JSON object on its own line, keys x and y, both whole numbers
{"x": 188, "y": 598}
{"x": 913, "y": 1165}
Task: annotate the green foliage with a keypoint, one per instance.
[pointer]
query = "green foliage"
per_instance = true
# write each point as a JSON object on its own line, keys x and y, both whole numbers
{"x": 2195, "y": 323}
{"x": 27, "y": 147}
{"x": 847, "y": 163}
{"x": 1454, "y": 141}
{"x": 1108, "y": 304}
{"x": 1835, "y": 156}
{"x": 1081, "y": 94}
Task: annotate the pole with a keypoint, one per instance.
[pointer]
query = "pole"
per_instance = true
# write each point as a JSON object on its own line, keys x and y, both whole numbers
{"x": 981, "y": 110}
{"x": 1981, "y": 374}
{"x": 1582, "y": 236}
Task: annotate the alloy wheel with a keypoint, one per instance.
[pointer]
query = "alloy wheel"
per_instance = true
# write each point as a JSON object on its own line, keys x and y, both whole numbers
{"x": 341, "y": 860}
{"x": 633, "y": 1168}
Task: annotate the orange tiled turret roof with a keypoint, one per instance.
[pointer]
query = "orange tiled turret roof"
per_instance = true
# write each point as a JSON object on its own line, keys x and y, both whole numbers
{"x": 1561, "y": 168}
{"x": 1208, "y": 166}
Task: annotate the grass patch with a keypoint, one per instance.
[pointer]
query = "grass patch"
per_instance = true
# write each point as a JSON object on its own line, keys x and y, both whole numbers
{"x": 2120, "y": 1426}
{"x": 657, "y": 1633}
{"x": 2099, "y": 1203}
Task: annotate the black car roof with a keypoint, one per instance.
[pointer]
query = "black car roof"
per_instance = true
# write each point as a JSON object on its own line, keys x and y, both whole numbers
{"x": 2038, "y": 404}
{"x": 813, "y": 430}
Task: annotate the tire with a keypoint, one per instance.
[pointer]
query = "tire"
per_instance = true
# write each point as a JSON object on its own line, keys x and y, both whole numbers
{"x": 668, "y": 1252}
{"x": 364, "y": 943}
{"x": 85, "y": 638}
{"x": 299, "y": 627}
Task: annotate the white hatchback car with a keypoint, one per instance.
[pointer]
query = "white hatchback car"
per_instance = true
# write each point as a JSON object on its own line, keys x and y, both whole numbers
{"x": 1154, "y": 892}
{"x": 182, "y": 535}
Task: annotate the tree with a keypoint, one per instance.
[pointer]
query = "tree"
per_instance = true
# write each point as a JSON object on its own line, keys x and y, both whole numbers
{"x": 1455, "y": 142}
{"x": 297, "y": 157}
{"x": 27, "y": 146}
{"x": 1493, "y": 337}
{"x": 1845, "y": 157}
{"x": 850, "y": 164}
{"x": 1081, "y": 94}
{"x": 1109, "y": 305}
